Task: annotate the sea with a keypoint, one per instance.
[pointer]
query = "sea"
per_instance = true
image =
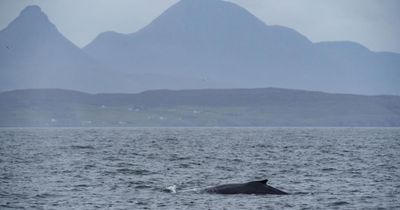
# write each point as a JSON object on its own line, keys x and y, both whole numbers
{"x": 135, "y": 168}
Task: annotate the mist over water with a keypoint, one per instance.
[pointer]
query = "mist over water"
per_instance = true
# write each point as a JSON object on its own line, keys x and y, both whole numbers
{"x": 130, "y": 168}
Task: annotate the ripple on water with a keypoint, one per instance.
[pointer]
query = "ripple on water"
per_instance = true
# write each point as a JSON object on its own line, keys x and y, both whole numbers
{"x": 328, "y": 169}
{"x": 129, "y": 168}
{"x": 128, "y": 171}
{"x": 78, "y": 147}
{"x": 339, "y": 203}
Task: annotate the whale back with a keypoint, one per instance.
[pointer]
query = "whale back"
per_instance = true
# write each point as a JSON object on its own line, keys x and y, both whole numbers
{"x": 264, "y": 181}
{"x": 255, "y": 187}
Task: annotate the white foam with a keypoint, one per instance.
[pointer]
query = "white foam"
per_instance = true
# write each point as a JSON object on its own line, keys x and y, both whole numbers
{"x": 172, "y": 188}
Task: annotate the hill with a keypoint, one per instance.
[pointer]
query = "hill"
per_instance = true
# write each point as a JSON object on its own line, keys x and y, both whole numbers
{"x": 34, "y": 54}
{"x": 210, "y": 107}
{"x": 195, "y": 44}
{"x": 222, "y": 45}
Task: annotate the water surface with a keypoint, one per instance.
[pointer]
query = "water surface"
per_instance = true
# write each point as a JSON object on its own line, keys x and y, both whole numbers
{"x": 130, "y": 168}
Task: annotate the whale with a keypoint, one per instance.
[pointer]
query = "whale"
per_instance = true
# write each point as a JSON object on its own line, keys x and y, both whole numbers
{"x": 254, "y": 187}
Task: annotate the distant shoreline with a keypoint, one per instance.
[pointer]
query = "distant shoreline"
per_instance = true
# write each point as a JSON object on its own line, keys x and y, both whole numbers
{"x": 261, "y": 107}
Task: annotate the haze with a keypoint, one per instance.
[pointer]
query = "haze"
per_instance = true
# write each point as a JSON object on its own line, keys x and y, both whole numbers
{"x": 373, "y": 23}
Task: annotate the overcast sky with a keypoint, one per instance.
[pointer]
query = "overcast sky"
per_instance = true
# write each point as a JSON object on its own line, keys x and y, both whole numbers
{"x": 373, "y": 23}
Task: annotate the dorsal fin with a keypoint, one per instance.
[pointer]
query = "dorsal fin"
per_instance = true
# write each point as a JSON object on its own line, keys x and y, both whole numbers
{"x": 264, "y": 181}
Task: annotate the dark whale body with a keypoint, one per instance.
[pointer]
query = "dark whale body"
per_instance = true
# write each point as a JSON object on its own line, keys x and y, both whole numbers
{"x": 256, "y": 188}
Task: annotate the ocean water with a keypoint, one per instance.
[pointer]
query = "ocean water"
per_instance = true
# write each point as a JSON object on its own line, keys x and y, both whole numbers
{"x": 131, "y": 168}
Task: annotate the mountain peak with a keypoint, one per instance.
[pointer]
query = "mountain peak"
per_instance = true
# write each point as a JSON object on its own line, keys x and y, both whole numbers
{"x": 204, "y": 7}
{"x": 32, "y": 9}
{"x": 31, "y": 20}
{"x": 34, "y": 12}
{"x": 199, "y": 17}
{"x": 201, "y": 1}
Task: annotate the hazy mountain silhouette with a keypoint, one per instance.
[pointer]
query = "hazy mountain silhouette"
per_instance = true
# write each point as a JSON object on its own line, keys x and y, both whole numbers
{"x": 34, "y": 54}
{"x": 214, "y": 40}
{"x": 193, "y": 44}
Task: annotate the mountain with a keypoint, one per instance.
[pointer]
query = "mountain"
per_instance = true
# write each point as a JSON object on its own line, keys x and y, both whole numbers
{"x": 209, "y": 107}
{"x": 34, "y": 54}
{"x": 194, "y": 44}
{"x": 213, "y": 43}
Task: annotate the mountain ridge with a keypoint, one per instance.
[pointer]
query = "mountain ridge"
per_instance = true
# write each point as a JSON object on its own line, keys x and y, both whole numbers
{"x": 192, "y": 45}
{"x": 232, "y": 107}
{"x": 36, "y": 54}
{"x": 229, "y": 43}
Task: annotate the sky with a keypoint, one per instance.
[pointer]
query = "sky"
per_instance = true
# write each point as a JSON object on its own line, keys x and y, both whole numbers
{"x": 372, "y": 23}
